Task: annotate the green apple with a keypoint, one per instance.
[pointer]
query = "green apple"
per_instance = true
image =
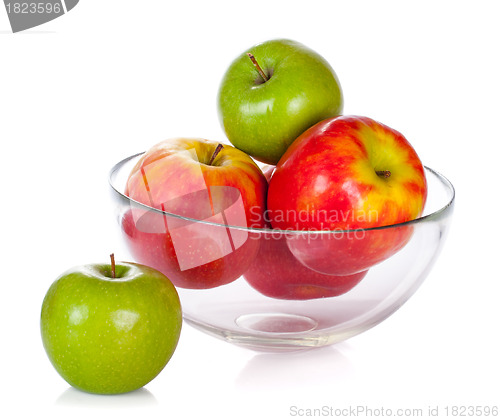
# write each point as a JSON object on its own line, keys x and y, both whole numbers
{"x": 110, "y": 329}
{"x": 272, "y": 93}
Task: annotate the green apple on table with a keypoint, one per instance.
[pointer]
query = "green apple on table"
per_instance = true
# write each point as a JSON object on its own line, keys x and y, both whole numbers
{"x": 272, "y": 93}
{"x": 110, "y": 328}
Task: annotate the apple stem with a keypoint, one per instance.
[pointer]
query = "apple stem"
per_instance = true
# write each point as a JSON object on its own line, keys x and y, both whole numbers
{"x": 113, "y": 266}
{"x": 383, "y": 174}
{"x": 259, "y": 68}
{"x": 216, "y": 152}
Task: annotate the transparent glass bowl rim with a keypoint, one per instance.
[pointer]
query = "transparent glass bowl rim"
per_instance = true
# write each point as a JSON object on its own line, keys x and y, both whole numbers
{"x": 428, "y": 217}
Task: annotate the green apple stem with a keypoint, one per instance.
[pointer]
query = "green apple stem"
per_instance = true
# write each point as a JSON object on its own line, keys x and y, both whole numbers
{"x": 216, "y": 152}
{"x": 383, "y": 174}
{"x": 113, "y": 266}
{"x": 258, "y": 67}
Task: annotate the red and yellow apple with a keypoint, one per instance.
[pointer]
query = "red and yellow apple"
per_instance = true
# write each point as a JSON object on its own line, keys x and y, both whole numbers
{"x": 196, "y": 195}
{"x": 276, "y": 273}
{"x": 341, "y": 181}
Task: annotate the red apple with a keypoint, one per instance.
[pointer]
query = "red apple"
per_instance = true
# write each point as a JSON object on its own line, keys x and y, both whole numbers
{"x": 198, "y": 190}
{"x": 278, "y": 274}
{"x": 345, "y": 178}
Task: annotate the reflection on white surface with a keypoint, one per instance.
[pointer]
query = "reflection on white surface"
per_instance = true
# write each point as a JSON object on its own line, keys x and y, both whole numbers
{"x": 313, "y": 367}
{"x": 79, "y": 399}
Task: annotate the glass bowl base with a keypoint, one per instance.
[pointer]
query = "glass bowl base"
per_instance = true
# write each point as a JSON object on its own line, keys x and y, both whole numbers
{"x": 271, "y": 342}
{"x": 276, "y": 323}
{"x": 274, "y": 332}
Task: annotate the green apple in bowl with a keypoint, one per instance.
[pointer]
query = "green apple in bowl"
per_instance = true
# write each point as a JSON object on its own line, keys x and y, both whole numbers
{"x": 110, "y": 328}
{"x": 272, "y": 93}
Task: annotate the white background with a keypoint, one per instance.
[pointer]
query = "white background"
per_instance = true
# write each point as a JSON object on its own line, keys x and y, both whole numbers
{"x": 113, "y": 77}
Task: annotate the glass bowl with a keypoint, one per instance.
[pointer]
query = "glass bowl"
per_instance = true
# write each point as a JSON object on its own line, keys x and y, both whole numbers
{"x": 274, "y": 290}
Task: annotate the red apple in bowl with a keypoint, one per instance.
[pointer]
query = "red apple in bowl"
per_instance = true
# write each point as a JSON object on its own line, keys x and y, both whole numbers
{"x": 350, "y": 183}
{"x": 196, "y": 197}
{"x": 276, "y": 273}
